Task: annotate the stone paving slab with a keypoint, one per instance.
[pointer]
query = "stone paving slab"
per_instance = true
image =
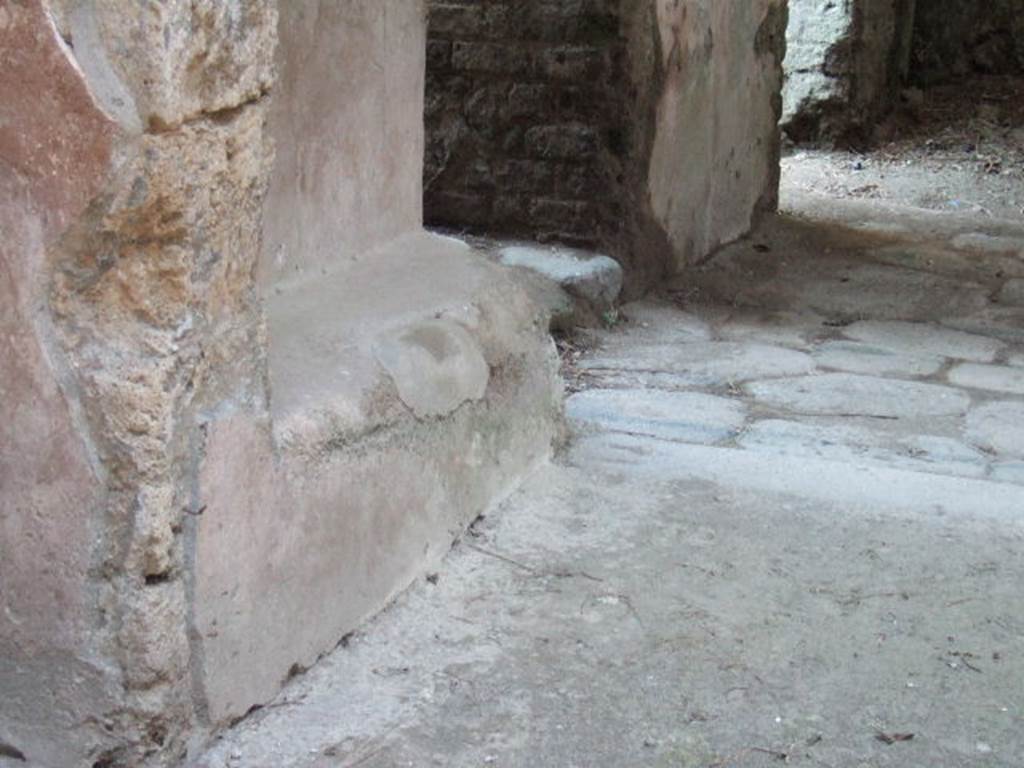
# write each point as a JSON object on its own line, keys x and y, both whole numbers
{"x": 711, "y": 364}
{"x": 854, "y": 357}
{"x": 1012, "y": 293}
{"x": 1003, "y": 323}
{"x": 925, "y": 340}
{"x": 778, "y": 328}
{"x": 690, "y": 417}
{"x": 917, "y": 494}
{"x": 865, "y": 290}
{"x": 998, "y": 427}
{"x": 858, "y": 445}
{"x": 866, "y": 396}
{"x": 940, "y": 259}
{"x": 1008, "y": 472}
{"x": 996, "y": 378}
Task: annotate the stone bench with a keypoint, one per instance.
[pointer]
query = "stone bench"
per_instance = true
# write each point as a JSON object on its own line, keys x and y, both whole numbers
{"x": 409, "y": 390}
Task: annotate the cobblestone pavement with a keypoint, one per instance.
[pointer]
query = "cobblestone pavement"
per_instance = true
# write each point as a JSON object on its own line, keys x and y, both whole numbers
{"x": 788, "y": 529}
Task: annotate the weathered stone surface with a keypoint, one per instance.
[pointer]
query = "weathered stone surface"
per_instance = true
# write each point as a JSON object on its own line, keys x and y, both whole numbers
{"x": 689, "y": 417}
{"x": 159, "y": 65}
{"x": 860, "y": 445}
{"x": 814, "y": 30}
{"x": 781, "y": 328}
{"x": 60, "y": 667}
{"x": 920, "y": 339}
{"x": 979, "y": 241}
{"x": 874, "y": 360}
{"x": 645, "y": 323}
{"x": 713, "y": 163}
{"x": 684, "y": 563}
{"x": 871, "y": 488}
{"x": 55, "y": 148}
{"x": 292, "y": 556}
{"x": 155, "y": 313}
{"x": 849, "y": 395}
{"x": 435, "y": 365}
{"x": 591, "y": 278}
{"x": 1012, "y": 293}
{"x": 651, "y": 550}
{"x": 325, "y": 376}
{"x": 944, "y": 259}
{"x": 998, "y": 427}
{"x": 710, "y": 364}
{"x": 1006, "y": 323}
{"x": 995, "y": 378}
{"x": 1008, "y": 472}
{"x": 840, "y": 288}
{"x": 845, "y": 63}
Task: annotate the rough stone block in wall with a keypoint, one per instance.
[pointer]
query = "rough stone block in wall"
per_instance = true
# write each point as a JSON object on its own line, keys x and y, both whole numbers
{"x": 579, "y": 216}
{"x": 526, "y": 99}
{"x": 531, "y": 92}
{"x": 581, "y": 63}
{"x": 562, "y": 142}
{"x": 845, "y": 63}
{"x": 955, "y": 37}
{"x": 132, "y": 169}
{"x": 439, "y": 54}
{"x": 491, "y": 59}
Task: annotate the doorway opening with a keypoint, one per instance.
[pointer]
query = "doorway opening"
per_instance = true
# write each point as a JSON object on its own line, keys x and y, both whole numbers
{"x": 913, "y": 104}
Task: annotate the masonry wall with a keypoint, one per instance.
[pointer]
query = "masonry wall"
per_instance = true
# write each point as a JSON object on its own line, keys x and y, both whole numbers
{"x": 244, "y": 400}
{"x": 956, "y": 37}
{"x": 527, "y": 117}
{"x": 647, "y": 128}
{"x": 845, "y": 64}
{"x": 133, "y": 164}
{"x": 714, "y": 80}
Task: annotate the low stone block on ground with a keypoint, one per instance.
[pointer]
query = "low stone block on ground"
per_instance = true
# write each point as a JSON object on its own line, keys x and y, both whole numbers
{"x": 592, "y": 281}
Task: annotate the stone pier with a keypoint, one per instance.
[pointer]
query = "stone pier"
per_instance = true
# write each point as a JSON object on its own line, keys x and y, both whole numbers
{"x": 245, "y": 398}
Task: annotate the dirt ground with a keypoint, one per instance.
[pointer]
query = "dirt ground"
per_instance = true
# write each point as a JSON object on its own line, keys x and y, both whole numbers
{"x": 957, "y": 148}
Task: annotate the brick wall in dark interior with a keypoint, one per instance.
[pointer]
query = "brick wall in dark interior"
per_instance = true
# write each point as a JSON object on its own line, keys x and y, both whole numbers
{"x": 953, "y": 38}
{"x": 526, "y": 118}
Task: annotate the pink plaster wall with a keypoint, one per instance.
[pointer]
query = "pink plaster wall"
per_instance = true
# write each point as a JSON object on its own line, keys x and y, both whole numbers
{"x": 55, "y": 149}
{"x": 347, "y": 120}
